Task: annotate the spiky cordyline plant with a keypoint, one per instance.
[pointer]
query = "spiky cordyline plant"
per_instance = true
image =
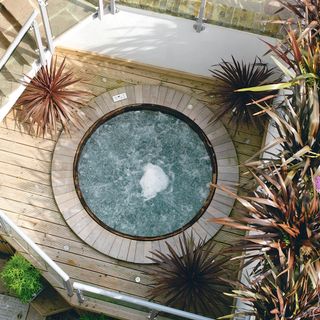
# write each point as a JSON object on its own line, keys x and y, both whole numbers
{"x": 235, "y": 75}
{"x": 47, "y": 100}
{"x": 306, "y": 12}
{"x": 297, "y": 121}
{"x": 191, "y": 282}
{"x": 272, "y": 296}
{"x": 298, "y": 128}
{"x": 284, "y": 220}
{"x": 298, "y": 55}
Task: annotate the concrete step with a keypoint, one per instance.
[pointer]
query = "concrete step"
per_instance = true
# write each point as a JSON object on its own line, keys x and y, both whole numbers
{"x": 7, "y": 29}
{"x": 18, "y": 10}
{"x": 12, "y": 73}
{"x": 12, "y": 17}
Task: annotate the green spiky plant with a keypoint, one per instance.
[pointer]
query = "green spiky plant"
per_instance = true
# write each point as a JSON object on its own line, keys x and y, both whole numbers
{"x": 49, "y": 100}
{"x": 234, "y": 75}
{"x": 21, "y": 278}
{"x": 191, "y": 281}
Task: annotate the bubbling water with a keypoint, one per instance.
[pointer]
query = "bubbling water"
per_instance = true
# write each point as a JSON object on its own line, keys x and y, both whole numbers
{"x": 144, "y": 173}
{"x": 153, "y": 181}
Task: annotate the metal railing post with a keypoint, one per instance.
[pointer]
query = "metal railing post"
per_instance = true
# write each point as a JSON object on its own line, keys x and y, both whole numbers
{"x": 112, "y": 7}
{"x": 198, "y": 26}
{"x": 4, "y": 227}
{"x": 68, "y": 287}
{"x": 101, "y": 9}
{"x": 46, "y": 24}
{"x": 39, "y": 42}
{"x": 153, "y": 315}
{"x": 80, "y": 296}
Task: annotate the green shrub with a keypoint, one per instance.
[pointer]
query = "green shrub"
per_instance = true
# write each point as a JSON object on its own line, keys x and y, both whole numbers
{"x": 93, "y": 316}
{"x": 21, "y": 278}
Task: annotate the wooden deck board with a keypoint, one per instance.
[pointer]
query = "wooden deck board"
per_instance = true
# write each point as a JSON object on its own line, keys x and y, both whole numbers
{"x": 25, "y": 186}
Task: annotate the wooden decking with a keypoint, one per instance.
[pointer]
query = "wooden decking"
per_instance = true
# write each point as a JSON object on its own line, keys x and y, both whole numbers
{"x": 26, "y": 193}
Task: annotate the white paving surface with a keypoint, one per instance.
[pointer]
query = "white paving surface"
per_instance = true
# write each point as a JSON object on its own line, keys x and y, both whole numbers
{"x": 162, "y": 40}
{"x": 12, "y": 309}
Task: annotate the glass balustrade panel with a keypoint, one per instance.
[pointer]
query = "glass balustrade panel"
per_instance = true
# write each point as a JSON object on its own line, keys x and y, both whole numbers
{"x": 64, "y": 14}
{"x": 19, "y": 63}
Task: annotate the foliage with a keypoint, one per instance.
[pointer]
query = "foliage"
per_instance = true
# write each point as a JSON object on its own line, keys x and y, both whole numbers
{"x": 47, "y": 100}
{"x": 299, "y": 136}
{"x": 282, "y": 217}
{"x": 283, "y": 244}
{"x": 235, "y": 75}
{"x": 191, "y": 282}
{"x": 272, "y": 296}
{"x": 306, "y": 12}
{"x": 297, "y": 121}
{"x": 284, "y": 220}
{"x": 21, "y": 278}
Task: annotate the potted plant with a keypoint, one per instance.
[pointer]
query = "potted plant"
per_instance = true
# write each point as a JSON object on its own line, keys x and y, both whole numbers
{"x": 22, "y": 278}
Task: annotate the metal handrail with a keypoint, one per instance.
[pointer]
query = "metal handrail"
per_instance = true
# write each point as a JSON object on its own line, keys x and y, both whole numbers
{"x": 80, "y": 287}
{"x": 18, "y": 39}
{"x": 5, "y": 222}
{"x": 101, "y": 9}
{"x": 7, "y": 226}
{"x": 46, "y": 24}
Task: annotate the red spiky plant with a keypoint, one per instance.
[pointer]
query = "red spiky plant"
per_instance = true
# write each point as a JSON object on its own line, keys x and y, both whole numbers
{"x": 191, "y": 281}
{"x": 49, "y": 100}
{"x": 283, "y": 218}
{"x": 235, "y": 75}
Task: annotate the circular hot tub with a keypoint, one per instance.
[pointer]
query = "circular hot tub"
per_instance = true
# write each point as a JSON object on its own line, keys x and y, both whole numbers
{"x": 141, "y": 171}
{"x": 145, "y": 172}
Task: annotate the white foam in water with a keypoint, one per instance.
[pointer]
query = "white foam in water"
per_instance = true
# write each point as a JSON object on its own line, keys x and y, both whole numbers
{"x": 153, "y": 181}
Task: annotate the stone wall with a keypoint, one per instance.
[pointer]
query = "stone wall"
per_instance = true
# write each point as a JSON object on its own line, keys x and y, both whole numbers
{"x": 253, "y": 16}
